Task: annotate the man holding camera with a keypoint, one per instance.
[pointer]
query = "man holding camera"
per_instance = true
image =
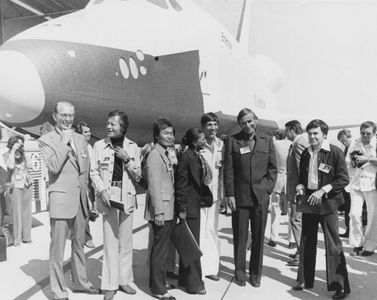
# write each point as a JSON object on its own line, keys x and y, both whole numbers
{"x": 362, "y": 167}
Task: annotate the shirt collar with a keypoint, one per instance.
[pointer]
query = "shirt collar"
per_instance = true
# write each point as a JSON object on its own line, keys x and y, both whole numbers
{"x": 125, "y": 142}
{"x": 217, "y": 142}
{"x": 325, "y": 146}
{"x": 297, "y": 137}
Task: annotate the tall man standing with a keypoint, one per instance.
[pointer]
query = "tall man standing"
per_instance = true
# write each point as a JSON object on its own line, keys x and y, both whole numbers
{"x": 293, "y": 131}
{"x": 249, "y": 176}
{"x": 115, "y": 167}
{"x": 323, "y": 176}
{"x": 65, "y": 155}
{"x": 362, "y": 167}
{"x": 213, "y": 152}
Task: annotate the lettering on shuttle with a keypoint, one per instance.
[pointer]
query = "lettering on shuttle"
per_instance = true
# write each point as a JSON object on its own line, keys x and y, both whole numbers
{"x": 225, "y": 40}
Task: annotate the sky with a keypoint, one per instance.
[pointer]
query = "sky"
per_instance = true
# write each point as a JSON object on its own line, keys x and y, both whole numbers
{"x": 327, "y": 49}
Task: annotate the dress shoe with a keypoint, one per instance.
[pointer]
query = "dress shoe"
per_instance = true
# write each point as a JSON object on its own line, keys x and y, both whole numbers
{"x": 293, "y": 263}
{"x": 367, "y": 253}
{"x": 271, "y": 243}
{"x": 90, "y": 244}
{"x": 172, "y": 275}
{"x": 356, "y": 251}
{"x": 166, "y": 296}
{"x": 293, "y": 256}
{"x": 213, "y": 277}
{"x": 169, "y": 286}
{"x": 240, "y": 282}
{"x": 340, "y": 294}
{"x": 345, "y": 234}
{"x": 127, "y": 289}
{"x": 28, "y": 242}
{"x": 255, "y": 280}
{"x": 89, "y": 290}
{"x": 291, "y": 245}
{"x": 298, "y": 287}
{"x": 109, "y": 295}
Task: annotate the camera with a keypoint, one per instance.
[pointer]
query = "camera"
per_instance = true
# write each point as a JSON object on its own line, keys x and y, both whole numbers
{"x": 354, "y": 155}
{"x": 93, "y": 215}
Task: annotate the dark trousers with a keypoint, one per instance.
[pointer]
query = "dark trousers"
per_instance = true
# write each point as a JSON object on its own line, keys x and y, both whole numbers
{"x": 159, "y": 257}
{"x": 346, "y": 208}
{"x": 240, "y": 224}
{"x": 336, "y": 268}
{"x": 295, "y": 221}
{"x": 191, "y": 277}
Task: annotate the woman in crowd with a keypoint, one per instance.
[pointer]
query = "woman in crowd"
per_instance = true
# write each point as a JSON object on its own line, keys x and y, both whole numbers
{"x": 192, "y": 174}
{"x": 19, "y": 182}
{"x": 159, "y": 210}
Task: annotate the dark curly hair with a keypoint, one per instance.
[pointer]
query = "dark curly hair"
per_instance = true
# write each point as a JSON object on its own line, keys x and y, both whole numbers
{"x": 13, "y": 139}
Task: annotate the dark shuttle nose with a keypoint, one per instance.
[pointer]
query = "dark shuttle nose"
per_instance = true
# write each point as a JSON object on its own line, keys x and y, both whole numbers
{"x": 22, "y": 97}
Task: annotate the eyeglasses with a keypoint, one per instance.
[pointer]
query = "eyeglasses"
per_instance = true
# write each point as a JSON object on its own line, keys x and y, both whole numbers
{"x": 365, "y": 133}
{"x": 66, "y": 116}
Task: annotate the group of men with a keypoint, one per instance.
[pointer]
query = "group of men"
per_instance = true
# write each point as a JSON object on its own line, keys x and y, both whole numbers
{"x": 248, "y": 167}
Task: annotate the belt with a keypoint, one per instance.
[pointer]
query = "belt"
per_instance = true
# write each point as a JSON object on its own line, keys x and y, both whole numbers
{"x": 116, "y": 183}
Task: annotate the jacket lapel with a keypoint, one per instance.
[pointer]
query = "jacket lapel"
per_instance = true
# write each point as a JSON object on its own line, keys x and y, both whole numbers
{"x": 193, "y": 165}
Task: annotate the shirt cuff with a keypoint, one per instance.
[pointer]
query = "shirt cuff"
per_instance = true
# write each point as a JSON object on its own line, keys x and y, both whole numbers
{"x": 327, "y": 188}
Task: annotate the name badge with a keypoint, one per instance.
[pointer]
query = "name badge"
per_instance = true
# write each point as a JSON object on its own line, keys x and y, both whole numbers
{"x": 245, "y": 150}
{"x": 84, "y": 154}
{"x": 324, "y": 168}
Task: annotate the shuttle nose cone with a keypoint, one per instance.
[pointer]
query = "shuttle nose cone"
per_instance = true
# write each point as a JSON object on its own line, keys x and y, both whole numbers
{"x": 22, "y": 97}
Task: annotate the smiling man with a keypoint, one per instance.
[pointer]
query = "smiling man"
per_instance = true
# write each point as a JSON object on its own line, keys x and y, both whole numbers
{"x": 65, "y": 155}
{"x": 115, "y": 167}
{"x": 213, "y": 152}
{"x": 323, "y": 176}
{"x": 249, "y": 175}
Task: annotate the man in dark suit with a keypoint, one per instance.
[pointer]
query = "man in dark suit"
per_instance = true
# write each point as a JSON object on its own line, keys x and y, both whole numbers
{"x": 323, "y": 176}
{"x": 249, "y": 176}
{"x": 65, "y": 155}
{"x": 294, "y": 132}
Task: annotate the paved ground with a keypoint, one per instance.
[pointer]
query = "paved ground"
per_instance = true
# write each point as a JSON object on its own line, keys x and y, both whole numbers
{"x": 25, "y": 274}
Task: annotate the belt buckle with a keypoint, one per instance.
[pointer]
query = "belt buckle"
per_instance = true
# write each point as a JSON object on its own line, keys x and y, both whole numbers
{"x": 116, "y": 183}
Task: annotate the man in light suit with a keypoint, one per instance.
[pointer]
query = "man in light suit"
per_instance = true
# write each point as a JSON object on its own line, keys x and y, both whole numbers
{"x": 293, "y": 131}
{"x": 249, "y": 176}
{"x": 65, "y": 155}
{"x": 278, "y": 195}
{"x": 115, "y": 167}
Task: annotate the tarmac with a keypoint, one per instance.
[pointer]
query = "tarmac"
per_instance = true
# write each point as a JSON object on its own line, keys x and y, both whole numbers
{"x": 25, "y": 273}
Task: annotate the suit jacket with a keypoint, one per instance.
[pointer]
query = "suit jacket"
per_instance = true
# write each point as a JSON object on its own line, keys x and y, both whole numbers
{"x": 160, "y": 177}
{"x": 250, "y": 176}
{"x": 189, "y": 190}
{"x": 281, "y": 151}
{"x": 337, "y": 176}
{"x": 293, "y": 163}
{"x": 68, "y": 174}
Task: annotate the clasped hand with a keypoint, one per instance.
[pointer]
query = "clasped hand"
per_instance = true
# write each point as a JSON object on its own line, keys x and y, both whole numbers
{"x": 316, "y": 197}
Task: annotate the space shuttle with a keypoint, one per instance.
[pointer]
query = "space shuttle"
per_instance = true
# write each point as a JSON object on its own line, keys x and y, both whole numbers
{"x": 151, "y": 58}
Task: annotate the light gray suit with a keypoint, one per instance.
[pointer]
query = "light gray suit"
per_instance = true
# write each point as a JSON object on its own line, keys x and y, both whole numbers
{"x": 68, "y": 206}
{"x": 160, "y": 200}
{"x": 299, "y": 144}
{"x": 160, "y": 196}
